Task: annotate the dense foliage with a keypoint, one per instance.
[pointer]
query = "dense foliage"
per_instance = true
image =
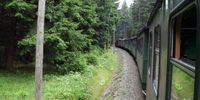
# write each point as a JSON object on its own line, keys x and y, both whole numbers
{"x": 141, "y": 10}
{"x": 72, "y": 27}
{"x": 133, "y": 19}
{"x": 125, "y": 25}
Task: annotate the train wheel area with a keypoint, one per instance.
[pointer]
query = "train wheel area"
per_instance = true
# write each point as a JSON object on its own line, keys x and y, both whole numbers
{"x": 125, "y": 84}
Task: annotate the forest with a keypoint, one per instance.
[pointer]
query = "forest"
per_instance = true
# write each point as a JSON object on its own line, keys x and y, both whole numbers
{"x": 71, "y": 29}
{"x": 77, "y": 45}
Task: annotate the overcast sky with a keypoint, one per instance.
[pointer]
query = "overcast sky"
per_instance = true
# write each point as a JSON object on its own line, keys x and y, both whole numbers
{"x": 128, "y": 2}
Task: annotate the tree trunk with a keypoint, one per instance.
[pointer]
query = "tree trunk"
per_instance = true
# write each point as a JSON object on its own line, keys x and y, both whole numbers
{"x": 39, "y": 50}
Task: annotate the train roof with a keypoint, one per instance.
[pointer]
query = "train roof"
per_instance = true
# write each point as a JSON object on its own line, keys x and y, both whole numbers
{"x": 143, "y": 29}
{"x": 133, "y": 37}
{"x": 157, "y": 5}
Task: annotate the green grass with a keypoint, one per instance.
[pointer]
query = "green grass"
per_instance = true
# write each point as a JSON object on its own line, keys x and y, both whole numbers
{"x": 67, "y": 87}
{"x": 88, "y": 85}
{"x": 16, "y": 86}
{"x": 99, "y": 82}
{"x": 182, "y": 85}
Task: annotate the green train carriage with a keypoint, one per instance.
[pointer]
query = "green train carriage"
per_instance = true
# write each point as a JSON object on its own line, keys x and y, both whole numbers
{"x": 168, "y": 53}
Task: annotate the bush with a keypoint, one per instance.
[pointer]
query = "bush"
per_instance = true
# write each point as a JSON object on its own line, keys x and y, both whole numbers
{"x": 93, "y": 55}
{"x": 68, "y": 87}
{"x": 88, "y": 85}
{"x": 92, "y": 59}
{"x": 74, "y": 62}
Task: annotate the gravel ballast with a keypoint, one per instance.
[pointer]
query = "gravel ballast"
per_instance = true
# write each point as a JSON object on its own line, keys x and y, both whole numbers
{"x": 125, "y": 84}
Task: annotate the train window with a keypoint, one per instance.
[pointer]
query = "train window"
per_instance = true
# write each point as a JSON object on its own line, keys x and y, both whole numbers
{"x": 156, "y": 57}
{"x": 185, "y": 37}
{"x": 184, "y": 55}
{"x": 133, "y": 42}
{"x": 150, "y": 53}
{"x": 140, "y": 45}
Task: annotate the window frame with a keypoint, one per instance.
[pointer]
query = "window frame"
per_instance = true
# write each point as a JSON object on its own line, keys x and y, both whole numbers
{"x": 172, "y": 42}
{"x": 156, "y": 53}
{"x": 150, "y": 52}
{"x": 141, "y": 45}
{"x": 186, "y": 67}
{"x": 197, "y": 71}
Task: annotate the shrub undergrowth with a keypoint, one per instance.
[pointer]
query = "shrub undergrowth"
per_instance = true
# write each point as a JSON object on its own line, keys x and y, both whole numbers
{"x": 85, "y": 85}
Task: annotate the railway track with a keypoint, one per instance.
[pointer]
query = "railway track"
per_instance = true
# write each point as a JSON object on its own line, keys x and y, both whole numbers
{"x": 125, "y": 84}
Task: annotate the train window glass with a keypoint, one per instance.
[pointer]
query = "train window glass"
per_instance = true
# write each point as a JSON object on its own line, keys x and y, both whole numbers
{"x": 133, "y": 42}
{"x": 185, "y": 37}
{"x": 166, "y": 4}
{"x": 150, "y": 53}
{"x": 156, "y": 61}
{"x": 140, "y": 45}
{"x": 182, "y": 85}
{"x": 175, "y": 3}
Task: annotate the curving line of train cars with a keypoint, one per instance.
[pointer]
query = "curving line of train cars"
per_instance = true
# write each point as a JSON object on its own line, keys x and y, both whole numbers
{"x": 167, "y": 51}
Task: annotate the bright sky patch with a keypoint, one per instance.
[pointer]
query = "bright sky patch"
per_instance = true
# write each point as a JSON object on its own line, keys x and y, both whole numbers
{"x": 128, "y": 2}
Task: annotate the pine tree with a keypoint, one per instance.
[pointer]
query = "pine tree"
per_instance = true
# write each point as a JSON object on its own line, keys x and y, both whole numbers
{"x": 72, "y": 27}
{"x": 141, "y": 10}
{"x": 15, "y": 22}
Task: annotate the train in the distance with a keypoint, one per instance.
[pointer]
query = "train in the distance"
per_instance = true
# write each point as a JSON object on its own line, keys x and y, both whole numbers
{"x": 167, "y": 51}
